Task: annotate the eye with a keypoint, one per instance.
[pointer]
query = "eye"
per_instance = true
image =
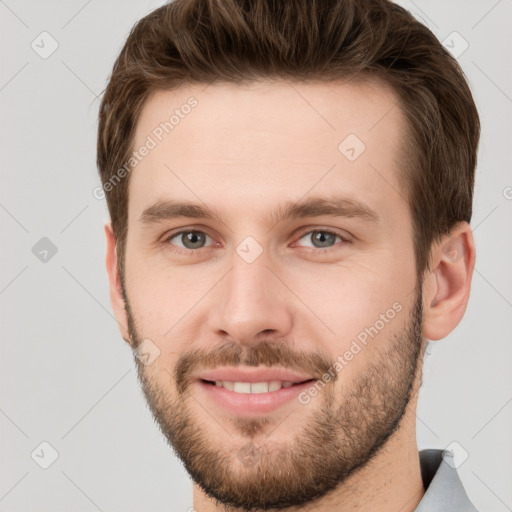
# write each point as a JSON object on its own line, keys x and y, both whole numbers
{"x": 190, "y": 239}
{"x": 322, "y": 239}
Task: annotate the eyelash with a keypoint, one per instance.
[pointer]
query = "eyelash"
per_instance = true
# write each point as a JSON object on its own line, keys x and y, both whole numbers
{"x": 181, "y": 250}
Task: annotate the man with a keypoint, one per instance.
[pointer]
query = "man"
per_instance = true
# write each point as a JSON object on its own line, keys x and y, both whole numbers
{"x": 290, "y": 189}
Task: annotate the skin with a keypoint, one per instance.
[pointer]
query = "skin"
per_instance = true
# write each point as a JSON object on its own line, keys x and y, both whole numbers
{"x": 242, "y": 150}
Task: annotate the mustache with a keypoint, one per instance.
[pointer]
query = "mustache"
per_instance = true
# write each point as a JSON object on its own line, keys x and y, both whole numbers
{"x": 261, "y": 354}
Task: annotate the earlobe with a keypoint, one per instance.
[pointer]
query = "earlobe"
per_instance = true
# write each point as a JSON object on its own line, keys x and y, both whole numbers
{"x": 116, "y": 294}
{"x": 446, "y": 289}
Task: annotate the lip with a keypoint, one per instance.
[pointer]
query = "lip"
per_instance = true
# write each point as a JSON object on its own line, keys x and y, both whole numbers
{"x": 253, "y": 375}
{"x": 251, "y": 404}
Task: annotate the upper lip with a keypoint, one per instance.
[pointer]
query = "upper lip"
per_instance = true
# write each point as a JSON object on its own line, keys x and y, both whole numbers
{"x": 237, "y": 374}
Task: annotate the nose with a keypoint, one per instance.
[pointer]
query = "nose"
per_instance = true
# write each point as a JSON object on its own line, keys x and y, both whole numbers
{"x": 251, "y": 304}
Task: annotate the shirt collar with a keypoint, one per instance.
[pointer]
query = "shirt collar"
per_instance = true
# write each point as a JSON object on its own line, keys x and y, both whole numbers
{"x": 443, "y": 487}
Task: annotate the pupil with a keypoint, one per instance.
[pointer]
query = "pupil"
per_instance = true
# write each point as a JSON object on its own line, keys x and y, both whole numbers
{"x": 193, "y": 237}
{"x": 323, "y": 237}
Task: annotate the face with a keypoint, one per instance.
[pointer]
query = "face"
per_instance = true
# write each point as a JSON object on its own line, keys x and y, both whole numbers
{"x": 270, "y": 276}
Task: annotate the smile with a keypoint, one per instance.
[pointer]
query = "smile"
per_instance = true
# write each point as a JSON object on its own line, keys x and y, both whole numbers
{"x": 254, "y": 387}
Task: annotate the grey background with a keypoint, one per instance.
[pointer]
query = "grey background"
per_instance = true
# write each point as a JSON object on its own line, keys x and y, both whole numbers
{"x": 68, "y": 378}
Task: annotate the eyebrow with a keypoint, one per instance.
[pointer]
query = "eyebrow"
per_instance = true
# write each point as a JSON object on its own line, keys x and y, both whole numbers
{"x": 315, "y": 207}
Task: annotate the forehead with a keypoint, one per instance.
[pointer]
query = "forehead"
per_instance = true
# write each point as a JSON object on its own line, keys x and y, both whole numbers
{"x": 255, "y": 144}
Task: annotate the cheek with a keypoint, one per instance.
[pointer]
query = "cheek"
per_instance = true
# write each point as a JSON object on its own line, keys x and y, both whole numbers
{"x": 160, "y": 300}
{"x": 159, "y": 295}
{"x": 367, "y": 310}
{"x": 352, "y": 296}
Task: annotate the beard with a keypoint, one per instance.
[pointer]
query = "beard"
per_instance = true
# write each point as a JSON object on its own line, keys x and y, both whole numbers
{"x": 346, "y": 430}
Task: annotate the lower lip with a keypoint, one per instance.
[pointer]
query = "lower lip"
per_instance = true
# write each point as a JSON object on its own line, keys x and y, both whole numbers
{"x": 252, "y": 403}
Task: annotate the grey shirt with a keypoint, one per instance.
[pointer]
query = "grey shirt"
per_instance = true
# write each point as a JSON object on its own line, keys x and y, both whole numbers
{"x": 443, "y": 488}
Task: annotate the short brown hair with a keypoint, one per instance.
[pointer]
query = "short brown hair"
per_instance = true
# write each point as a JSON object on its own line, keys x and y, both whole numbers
{"x": 207, "y": 41}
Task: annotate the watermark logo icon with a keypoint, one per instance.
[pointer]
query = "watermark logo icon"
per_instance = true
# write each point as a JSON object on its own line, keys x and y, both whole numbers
{"x": 249, "y": 455}
{"x": 249, "y": 249}
{"x": 454, "y": 249}
{"x": 351, "y": 147}
{"x": 455, "y": 44}
{"x": 147, "y": 352}
{"x": 44, "y": 455}
{"x": 455, "y": 454}
{"x": 44, "y": 45}
{"x": 44, "y": 250}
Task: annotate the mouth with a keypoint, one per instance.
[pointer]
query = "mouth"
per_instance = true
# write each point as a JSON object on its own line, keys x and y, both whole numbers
{"x": 255, "y": 387}
{"x": 252, "y": 391}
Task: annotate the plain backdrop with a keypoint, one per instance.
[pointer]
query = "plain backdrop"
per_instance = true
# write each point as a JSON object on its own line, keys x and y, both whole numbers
{"x": 67, "y": 377}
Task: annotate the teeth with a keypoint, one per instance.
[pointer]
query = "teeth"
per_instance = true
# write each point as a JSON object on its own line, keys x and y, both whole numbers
{"x": 242, "y": 387}
{"x": 253, "y": 387}
{"x": 228, "y": 385}
{"x": 274, "y": 385}
{"x": 259, "y": 387}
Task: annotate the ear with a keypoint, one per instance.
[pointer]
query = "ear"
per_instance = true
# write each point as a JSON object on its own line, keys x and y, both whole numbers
{"x": 446, "y": 288}
{"x": 116, "y": 294}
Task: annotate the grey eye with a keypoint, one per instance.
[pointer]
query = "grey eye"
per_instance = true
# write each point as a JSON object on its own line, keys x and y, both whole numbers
{"x": 190, "y": 239}
{"x": 321, "y": 239}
